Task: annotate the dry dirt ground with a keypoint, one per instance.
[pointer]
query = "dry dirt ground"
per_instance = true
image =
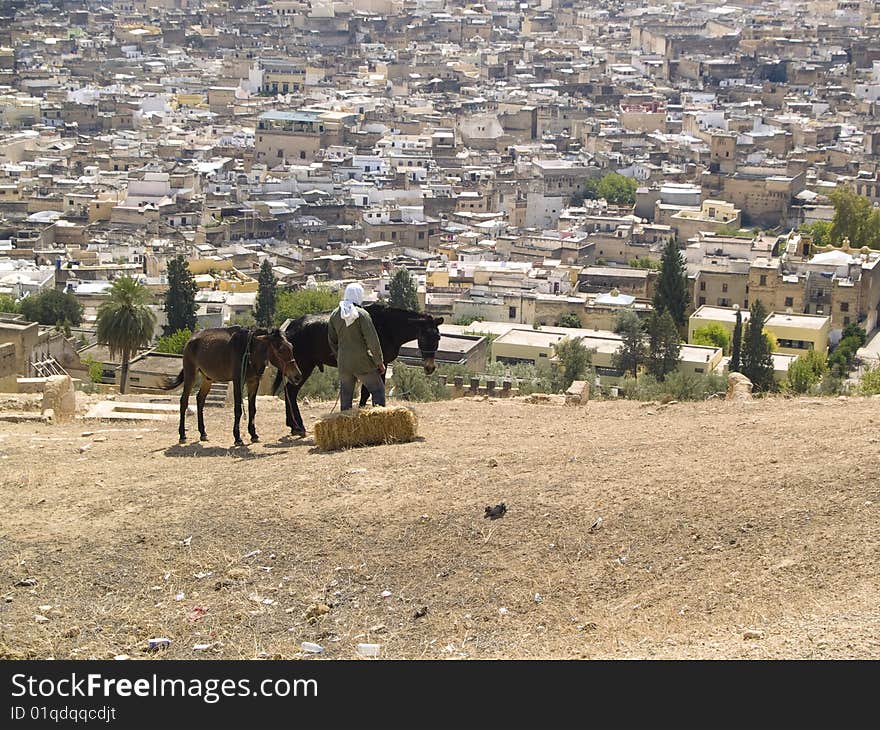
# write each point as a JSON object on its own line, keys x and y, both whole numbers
{"x": 728, "y": 531}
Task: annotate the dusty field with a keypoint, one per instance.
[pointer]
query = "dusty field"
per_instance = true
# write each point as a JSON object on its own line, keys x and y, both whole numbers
{"x": 728, "y": 530}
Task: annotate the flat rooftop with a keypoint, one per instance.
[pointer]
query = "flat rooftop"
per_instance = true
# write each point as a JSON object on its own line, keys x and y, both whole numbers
{"x": 719, "y": 314}
{"x": 799, "y": 321}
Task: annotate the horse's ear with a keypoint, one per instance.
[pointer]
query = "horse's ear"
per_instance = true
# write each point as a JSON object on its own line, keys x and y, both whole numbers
{"x": 438, "y": 321}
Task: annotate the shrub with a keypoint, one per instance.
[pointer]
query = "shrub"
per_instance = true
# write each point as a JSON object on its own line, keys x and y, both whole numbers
{"x": 569, "y": 319}
{"x": 174, "y": 343}
{"x": 322, "y": 386}
{"x": 8, "y": 304}
{"x": 870, "y": 383}
{"x": 96, "y": 369}
{"x": 413, "y": 384}
{"x": 676, "y": 386}
{"x": 806, "y": 371}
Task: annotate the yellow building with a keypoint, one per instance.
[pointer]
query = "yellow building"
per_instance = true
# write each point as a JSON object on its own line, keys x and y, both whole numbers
{"x": 794, "y": 333}
{"x": 535, "y": 347}
{"x": 707, "y": 314}
{"x": 797, "y": 333}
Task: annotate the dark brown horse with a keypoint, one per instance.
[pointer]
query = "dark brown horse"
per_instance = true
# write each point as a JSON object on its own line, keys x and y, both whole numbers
{"x": 395, "y": 327}
{"x": 237, "y": 354}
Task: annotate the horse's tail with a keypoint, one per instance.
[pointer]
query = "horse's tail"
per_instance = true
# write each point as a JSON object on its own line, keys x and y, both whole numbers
{"x": 172, "y": 384}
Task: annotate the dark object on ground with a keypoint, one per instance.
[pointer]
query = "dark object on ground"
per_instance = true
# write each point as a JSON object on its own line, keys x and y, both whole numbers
{"x": 493, "y": 513}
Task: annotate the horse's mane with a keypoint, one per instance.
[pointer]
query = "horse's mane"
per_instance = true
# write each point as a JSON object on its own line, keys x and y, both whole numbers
{"x": 385, "y": 308}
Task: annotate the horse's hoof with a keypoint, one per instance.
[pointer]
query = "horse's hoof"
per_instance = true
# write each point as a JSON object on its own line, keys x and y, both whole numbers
{"x": 203, "y": 438}
{"x": 182, "y": 441}
{"x": 254, "y": 438}
{"x": 238, "y": 443}
{"x": 294, "y": 432}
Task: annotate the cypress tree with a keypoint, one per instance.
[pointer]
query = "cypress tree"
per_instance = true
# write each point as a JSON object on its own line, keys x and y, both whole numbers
{"x": 670, "y": 294}
{"x": 757, "y": 359}
{"x": 664, "y": 345}
{"x": 403, "y": 292}
{"x": 266, "y": 295}
{"x": 736, "y": 350}
{"x": 180, "y": 298}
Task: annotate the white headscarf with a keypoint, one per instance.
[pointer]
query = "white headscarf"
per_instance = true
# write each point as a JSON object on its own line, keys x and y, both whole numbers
{"x": 354, "y": 295}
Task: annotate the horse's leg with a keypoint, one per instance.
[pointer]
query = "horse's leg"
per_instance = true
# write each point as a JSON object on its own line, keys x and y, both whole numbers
{"x": 200, "y": 405}
{"x": 253, "y": 385}
{"x": 236, "y": 394}
{"x": 294, "y": 417}
{"x": 189, "y": 376}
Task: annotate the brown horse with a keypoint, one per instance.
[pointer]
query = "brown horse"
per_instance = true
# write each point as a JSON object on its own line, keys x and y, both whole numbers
{"x": 237, "y": 354}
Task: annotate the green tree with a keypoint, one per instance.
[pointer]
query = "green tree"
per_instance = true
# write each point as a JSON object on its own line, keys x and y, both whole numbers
{"x": 819, "y": 232}
{"x": 180, "y": 297}
{"x": 670, "y": 292}
{"x": 855, "y": 218}
{"x": 806, "y": 371}
{"x": 736, "y": 347}
{"x": 8, "y": 304}
{"x": 855, "y": 331}
{"x": 573, "y": 360}
{"x": 617, "y": 189}
{"x": 664, "y": 345}
{"x": 266, "y": 295}
{"x": 569, "y": 319}
{"x": 841, "y": 359}
{"x": 173, "y": 344}
{"x": 712, "y": 335}
{"x": 96, "y": 369}
{"x": 757, "y": 360}
{"x": 644, "y": 262}
{"x": 402, "y": 291}
{"x": 125, "y": 322}
{"x": 296, "y": 304}
{"x": 52, "y": 307}
{"x": 631, "y": 352}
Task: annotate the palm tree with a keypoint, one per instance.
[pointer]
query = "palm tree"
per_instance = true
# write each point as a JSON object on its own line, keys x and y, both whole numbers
{"x": 125, "y": 322}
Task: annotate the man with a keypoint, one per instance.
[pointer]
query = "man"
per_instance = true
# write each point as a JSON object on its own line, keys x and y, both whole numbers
{"x": 355, "y": 343}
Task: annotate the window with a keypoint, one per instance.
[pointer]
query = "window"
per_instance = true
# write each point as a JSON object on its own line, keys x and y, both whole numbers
{"x": 844, "y": 306}
{"x": 763, "y": 281}
{"x": 511, "y": 312}
{"x": 302, "y": 154}
{"x": 845, "y": 321}
{"x": 789, "y": 301}
{"x": 724, "y": 287}
{"x": 702, "y": 286}
{"x": 702, "y": 301}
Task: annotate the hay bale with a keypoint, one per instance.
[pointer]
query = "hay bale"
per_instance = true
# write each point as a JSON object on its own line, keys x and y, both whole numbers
{"x": 366, "y": 427}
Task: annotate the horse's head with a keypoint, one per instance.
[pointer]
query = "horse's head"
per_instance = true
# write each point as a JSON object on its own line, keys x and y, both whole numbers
{"x": 281, "y": 354}
{"x": 429, "y": 340}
